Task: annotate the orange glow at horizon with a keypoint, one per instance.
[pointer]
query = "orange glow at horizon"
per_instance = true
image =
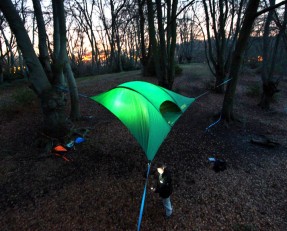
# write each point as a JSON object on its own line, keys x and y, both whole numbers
{"x": 88, "y": 56}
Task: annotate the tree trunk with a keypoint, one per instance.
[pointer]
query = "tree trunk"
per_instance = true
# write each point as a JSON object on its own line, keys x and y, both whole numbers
{"x": 220, "y": 76}
{"x": 163, "y": 81}
{"x": 119, "y": 59}
{"x": 21, "y": 63}
{"x": 269, "y": 86}
{"x": 269, "y": 89}
{"x": 58, "y": 56}
{"x": 42, "y": 36}
{"x": 250, "y": 15}
{"x": 1, "y": 64}
{"x": 144, "y": 58}
{"x": 167, "y": 43}
{"x": 1, "y": 71}
{"x": 221, "y": 43}
{"x": 113, "y": 58}
{"x": 53, "y": 104}
{"x": 75, "y": 105}
{"x": 10, "y": 55}
{"x": 172, "y": 25}
{"x": 153, "y": 54}
{"x": 149, "y": 69}
{"x": 75, "y": 109}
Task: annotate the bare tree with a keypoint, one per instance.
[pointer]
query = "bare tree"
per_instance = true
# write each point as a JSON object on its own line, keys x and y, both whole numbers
{"x": 111, "y": 26}
{"x": 52, "y": 100}
{"x": 60, "y": 57}
{"x": 141, "y": 36}
{"x": 76, "y": 49}
{"x": 223, "y": 19}
{"x": 189, "y": 31}
{"x": 9, "y": 50}
{"x": 153, "y": 54}
{"x": 250, "y": 15}
{"x": 269, "y": 57}
{"x": 85, "y": 20}
{"x": 163, "y": 49}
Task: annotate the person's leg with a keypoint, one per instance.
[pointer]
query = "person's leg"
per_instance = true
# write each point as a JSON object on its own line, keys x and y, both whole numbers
{"x": 167, "y": 206}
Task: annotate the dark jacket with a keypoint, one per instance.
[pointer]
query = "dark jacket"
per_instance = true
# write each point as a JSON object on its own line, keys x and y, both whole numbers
{"x": 164, "y": 184}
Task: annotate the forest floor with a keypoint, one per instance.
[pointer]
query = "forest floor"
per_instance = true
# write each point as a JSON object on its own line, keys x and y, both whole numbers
{"x": 101, "y": 188}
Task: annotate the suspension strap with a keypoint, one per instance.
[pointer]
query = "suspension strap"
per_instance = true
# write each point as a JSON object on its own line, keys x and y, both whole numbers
{"x": 211, "y": 125}
{"x": 143, "y": 198}
{"x": 204, "y": 93}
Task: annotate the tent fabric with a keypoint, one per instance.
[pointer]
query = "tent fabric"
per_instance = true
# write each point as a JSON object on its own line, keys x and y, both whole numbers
{"x": 147, "y": 110}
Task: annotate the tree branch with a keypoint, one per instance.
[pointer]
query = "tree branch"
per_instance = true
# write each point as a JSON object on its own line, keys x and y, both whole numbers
{"x": 269, "y": 8}
{"x": 178, "y": 13}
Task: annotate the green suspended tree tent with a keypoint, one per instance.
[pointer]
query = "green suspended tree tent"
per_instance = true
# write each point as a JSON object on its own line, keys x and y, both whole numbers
{"x": 147, "y": 110}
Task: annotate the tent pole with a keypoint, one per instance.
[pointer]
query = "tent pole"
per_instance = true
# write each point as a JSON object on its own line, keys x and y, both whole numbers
{"x": 143, "y": 197}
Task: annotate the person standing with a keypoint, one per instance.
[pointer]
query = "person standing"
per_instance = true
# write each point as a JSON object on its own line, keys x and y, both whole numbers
{"x": 164, "y": 188}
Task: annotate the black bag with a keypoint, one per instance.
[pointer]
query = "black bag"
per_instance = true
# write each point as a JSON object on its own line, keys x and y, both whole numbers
{"x": 219, "y": 165}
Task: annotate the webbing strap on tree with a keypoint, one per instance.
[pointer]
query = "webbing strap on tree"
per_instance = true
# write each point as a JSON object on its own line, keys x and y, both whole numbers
{"x": 208, "y": 91}
{"x": 211, "y": 125}
{"x": 143, "y": 198}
